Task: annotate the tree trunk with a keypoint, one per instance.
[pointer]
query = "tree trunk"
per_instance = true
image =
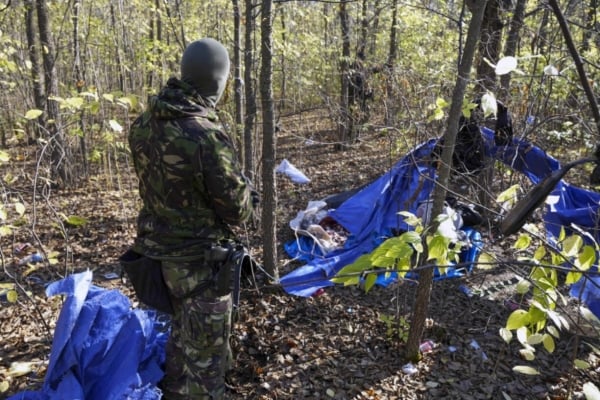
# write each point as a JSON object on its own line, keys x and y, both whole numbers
{"x": 37, "y": 76}
{"x": 390, "y": 101}
{"x": 512, "y": 39}
{"x": 489, "y": 47}
{"x": 250, "y": 92}
{"x": 417, "y": 325}
{"x": 59, "y": 151}
{"x": 344, "y": 123}
{"x": 269, "y": 193}
{"x": 237, "y": 78}
{"x": 79, "y": 84}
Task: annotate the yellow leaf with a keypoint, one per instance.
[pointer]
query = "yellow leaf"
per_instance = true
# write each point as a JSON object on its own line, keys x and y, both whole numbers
{"x": 485, "y": 261}
{"x": 20, "y": 208}
{"x": 33, "y": 113}
{"x": 524, "y": 369}
{"x": 11, "y": 296}
{"x": 4, "y": 386}
{"x": 4, "y": 156}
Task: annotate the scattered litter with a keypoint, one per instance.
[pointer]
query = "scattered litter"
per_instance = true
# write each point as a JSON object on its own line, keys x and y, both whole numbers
{"x": 409, "y": 369}
{"x": 21, "y": 247}
{"x": 466, "y": 290}
{"x": 294, "y": 173}
{"x": 452, "y": 349}
{"x": 476, "y": 347}
{"x": 511, "y": 305}
{"x": 31, "y": 259}
{"x": 111, "y": 275}
{"x": 427, "y": 346}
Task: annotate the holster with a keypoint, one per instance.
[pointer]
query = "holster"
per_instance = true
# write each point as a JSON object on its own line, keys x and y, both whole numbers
{"x": 145, "y": 275}
{"x": 229, "y": 272}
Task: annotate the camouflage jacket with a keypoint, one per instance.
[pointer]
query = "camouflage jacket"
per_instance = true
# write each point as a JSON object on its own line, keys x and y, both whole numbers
{"x": 190, "y": 182}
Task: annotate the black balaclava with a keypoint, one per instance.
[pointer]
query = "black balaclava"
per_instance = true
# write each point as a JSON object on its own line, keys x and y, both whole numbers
{"x": 205, "y": 66}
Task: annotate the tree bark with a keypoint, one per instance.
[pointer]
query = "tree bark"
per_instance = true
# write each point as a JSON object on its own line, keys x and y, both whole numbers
{"x": 37, "y": 76}
{"x": 269, "y": 194}
{"x": 512, "y": 39}
{"x": 344, "y": 123}
{"x": 417, "y": 325}
{"x": 59, "y": 152}
{"x": 79, "y": 84}
{"x": 250, "y": 91}
{"x": 489, "y": 47}
{"x": 237, "y": 78}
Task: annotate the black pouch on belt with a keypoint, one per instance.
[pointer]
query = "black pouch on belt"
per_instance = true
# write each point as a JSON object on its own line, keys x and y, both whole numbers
{"x": 147, "y": 280}
{"x": 228, "y": 276}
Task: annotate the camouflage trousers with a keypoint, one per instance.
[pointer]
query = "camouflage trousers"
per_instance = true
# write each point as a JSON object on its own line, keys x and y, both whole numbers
{"x": 198, "y": 351}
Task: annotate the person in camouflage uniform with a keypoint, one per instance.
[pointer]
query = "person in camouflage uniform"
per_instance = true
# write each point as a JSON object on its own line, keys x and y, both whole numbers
{"x": 192, "y": 191}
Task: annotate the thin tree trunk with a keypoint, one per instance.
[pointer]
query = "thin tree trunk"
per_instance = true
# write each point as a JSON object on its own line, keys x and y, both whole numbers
{"x": 59, "y": 152}
{"x": 344, "y": 124}
{"x": 283, "y": 96}
{"x": 237, "y": 78}
{"x": 512, "y": 39}
{"x": 489, "y": 47}
{"x": 390, "y": 108}
{"x": 250, "y": 91}
{"x": 79, "y": 84}
{"x": 37, "y": 76}
{"x": 269, "y": 194}
{"x": 417, "y": 325}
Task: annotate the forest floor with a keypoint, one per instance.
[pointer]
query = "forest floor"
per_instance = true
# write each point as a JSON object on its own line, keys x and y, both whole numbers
{"x": 334, "y": 345}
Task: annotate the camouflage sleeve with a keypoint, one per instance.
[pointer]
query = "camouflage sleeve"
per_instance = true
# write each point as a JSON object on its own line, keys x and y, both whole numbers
{"x": 229, "y": 190}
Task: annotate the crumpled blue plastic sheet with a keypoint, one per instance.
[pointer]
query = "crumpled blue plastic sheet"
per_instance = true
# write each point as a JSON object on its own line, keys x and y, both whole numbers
{"x": 372, "y": 214}
{"x": 102, "y": 348}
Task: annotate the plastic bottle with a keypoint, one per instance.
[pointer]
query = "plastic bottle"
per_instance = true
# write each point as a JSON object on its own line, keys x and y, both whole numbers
{"x": 31, "y": 259}
{"x": 466, "y": 290}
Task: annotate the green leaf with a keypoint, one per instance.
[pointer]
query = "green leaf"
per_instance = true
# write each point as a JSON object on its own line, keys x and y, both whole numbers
{"x": 509, "y": 194}
{"x": 108, "y": 97}
{"x": 572, "y": 277}
{"x": 517, "y": 319}
{"x": 33, "y": 114}
{"x": 587, "y": 258}
{"x": 534, "y": 339}
{"x": 539, "y": 254}
{"x": 522, "y": 242}
{"x": 571, "y": 245}
{"x": 4, "y": 156}
{"x": 523, "y": 286}
{"x": 548, "y": 342}
{"x": 74, "y": 102}
{"x": 524, "y": 369}
{"x": 581, "y": 364}
{"x": 74, "y": 220}
{"x": 438, "y": 248}
{"x": 370, "y": 281}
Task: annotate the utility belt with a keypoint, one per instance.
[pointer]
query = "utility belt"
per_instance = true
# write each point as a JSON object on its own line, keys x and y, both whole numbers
{"x": 145, "y": 273}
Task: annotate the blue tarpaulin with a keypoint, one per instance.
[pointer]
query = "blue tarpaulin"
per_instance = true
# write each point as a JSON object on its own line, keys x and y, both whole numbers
{"x": 102, "y": 348}
{"x": 371, "y": 215}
